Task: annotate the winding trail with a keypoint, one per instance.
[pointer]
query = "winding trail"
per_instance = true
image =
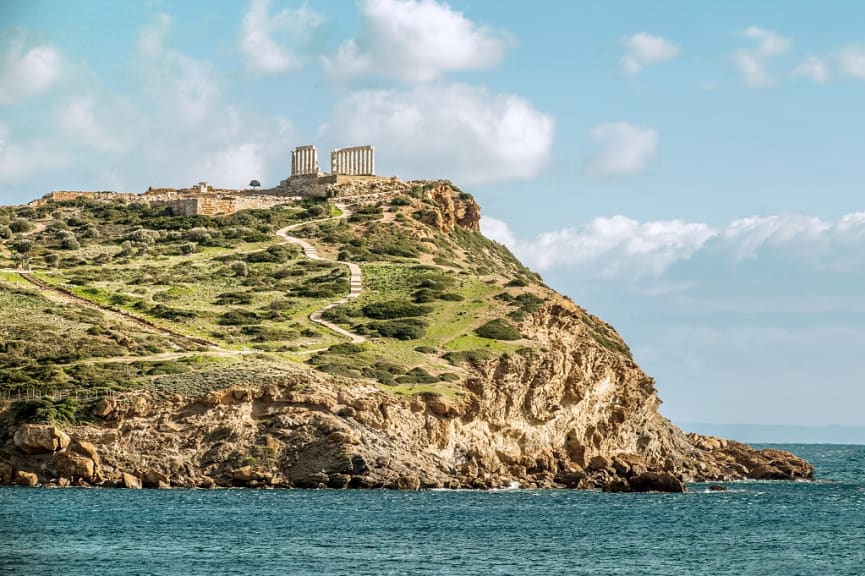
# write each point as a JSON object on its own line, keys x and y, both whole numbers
{"x": 117, "y": 313}
{"x": 355, "y": 278}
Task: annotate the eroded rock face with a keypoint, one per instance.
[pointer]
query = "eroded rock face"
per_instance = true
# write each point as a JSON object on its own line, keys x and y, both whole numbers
{"x": 454, "y": 209}
{"x": 40, "y": 438}
{"x": 573, "y": 411}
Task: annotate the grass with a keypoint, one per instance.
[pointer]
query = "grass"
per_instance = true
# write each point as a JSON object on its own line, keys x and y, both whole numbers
{"x": 231, "y": 281}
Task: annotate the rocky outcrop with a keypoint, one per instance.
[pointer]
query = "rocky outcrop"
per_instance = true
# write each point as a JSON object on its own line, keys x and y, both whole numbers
{"x": 454, "y": 208}
{"x": 40, "y": 438}
{"x": 570, "y": 413}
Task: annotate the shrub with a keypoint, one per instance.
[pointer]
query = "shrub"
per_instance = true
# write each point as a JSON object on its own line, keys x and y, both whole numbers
{"x": 239, "y": 318}
{"x": 470, "y": 356}
{"x": 239, "y": 268}
{"x": 276, "y": 254}
{"x": 417, "y": 376}
{"x": 233, "y": 299}
{"x": 517, "y": 283}
{"x": 393, "y": 309}
{"x": 404, "y": 329}
{"x": 400, "y": 201}
{"x": 425, "y": 350}
{"x": 20, "y": 225}
{"x": 5, "y": 232}
{"x": 346, "y": 349}
{"x": 70, "y": 243}
{"x": 498, "y": 329}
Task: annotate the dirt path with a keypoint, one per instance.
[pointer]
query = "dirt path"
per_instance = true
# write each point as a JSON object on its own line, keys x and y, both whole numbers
{"x": 121, "y": 314}
{"x": 355, "y": 278}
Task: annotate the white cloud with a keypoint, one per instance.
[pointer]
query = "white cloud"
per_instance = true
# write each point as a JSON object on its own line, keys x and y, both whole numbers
{"x": 616, "y": 246}
{"x": 108, "y": 126}
{"x": 851, "y": 61}
{"x": 185, "y": 87}
{"x": 753, "y": 63}
{"x": 642, "y": 50}
{"x": 26, "y": 72}
{"x": 815, "y": 69}
{"x": 749, "y": 235}
{"x": 621, "y": 247}
{"x": 264, "y": 54}
{"x": 415, "y": 41}
{"x": 465, "y": 133}
{"x": 621, "y": 149}
{"x": 18, "y": 161}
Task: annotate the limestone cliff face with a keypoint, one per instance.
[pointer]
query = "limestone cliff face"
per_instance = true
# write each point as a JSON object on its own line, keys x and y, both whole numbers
{"x": 570, "y": 414}
{"x": 453, "y": 208}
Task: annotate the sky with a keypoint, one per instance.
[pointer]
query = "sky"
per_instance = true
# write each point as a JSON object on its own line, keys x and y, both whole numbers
{"x": 692, "y": 172}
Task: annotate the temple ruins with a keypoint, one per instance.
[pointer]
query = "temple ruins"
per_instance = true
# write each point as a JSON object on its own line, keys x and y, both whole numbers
{"x": 304, "y": 161}
{"x": 356, "y": 161}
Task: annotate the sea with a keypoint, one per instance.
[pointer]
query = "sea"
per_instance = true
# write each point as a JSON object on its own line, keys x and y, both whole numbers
{"x": 771, "y": 528}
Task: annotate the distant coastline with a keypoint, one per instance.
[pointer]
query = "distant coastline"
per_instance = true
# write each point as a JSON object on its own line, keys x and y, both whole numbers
{"x": 779, "y": 434}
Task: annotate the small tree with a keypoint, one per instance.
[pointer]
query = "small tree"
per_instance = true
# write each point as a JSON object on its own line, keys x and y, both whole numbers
{"x": 20, "y": 225}
{"x": 22, "y": 252}
{"x": 254, "y": 184}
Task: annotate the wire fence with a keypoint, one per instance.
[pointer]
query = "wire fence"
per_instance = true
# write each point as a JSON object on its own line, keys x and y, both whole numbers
{"x": 56, "y": 395}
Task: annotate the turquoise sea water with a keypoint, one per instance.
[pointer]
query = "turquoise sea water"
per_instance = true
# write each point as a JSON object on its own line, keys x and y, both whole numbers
{"x": 754, "y": 528}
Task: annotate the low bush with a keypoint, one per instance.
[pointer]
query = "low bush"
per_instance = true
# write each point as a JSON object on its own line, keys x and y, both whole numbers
{"x": 393, "y": 309}
{"x": 417, "y": 376}
{"x": 469, "y": 356}
{"x": 403, "y": 329}
{"x": 498, "y": 329}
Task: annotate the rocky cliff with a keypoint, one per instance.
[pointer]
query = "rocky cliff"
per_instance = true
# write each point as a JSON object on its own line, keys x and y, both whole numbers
{"x": 567, "y": 408}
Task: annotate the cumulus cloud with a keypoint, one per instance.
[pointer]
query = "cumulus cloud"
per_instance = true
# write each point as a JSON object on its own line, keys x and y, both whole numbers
{"x": 185, "y": 87}
{"x": 608, "y": 246}
{"x": 107, "y": 124}
{"x": 815, "y": 69}
{"x": 619, "y": 246}
{"x": 415, "y": 41}
{"x": 642, "y": 50}
{"x": 748, "y": 235}
{"x": 620, "y": 149}
{"x": 263, "y": 53}
{"x": 27, "y": 71}
{"x": 466, "y": 133}
{"x": 753, "y": 63}
{"x": 851, "y": 61}
{"x": 20, "y": 160}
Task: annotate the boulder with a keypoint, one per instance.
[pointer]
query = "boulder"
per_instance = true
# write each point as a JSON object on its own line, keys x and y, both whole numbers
{"x": 344, "y": 437}
{"x": 22, "y": 478}
{"x": 439, "y": 405}
{"x": 130, "y": 481}
{"x": 338, "y": 480}
{"x": 571, "y": 478}
{"x": 40, "y": 438}
{"x": 617, "y": 485}
{"x": 5, "y": 473}
{"x": 600, "y": 462}
{"x": 155, "y": 479}
{"x": 247, "y": 474}
{"x": 86, "y": 449}
{"x": 407, "y": 482}
{"x": 656, "y": 482}
{"x": 104, "y": 407}
{"x": 74, "y": 466}
{"x": 717, "y": 488}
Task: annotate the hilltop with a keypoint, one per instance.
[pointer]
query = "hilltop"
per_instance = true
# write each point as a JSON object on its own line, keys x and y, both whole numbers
{"x": 373, "y": 339}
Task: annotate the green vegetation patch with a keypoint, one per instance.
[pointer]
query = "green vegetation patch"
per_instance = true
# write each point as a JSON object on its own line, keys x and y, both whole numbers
{"x": 498, "y": 329}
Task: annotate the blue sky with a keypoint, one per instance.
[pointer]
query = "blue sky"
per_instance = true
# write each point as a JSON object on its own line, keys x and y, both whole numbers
{"x": 691, "y": 172}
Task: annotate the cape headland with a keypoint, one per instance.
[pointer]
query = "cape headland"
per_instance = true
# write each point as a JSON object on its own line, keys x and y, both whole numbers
{"x": 364, "y": 335}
